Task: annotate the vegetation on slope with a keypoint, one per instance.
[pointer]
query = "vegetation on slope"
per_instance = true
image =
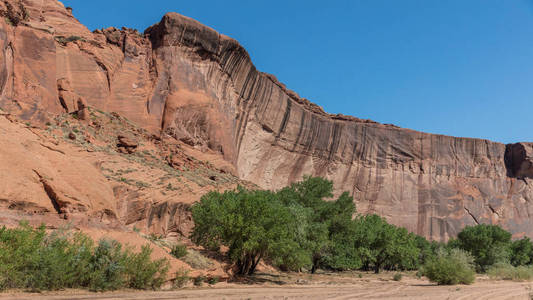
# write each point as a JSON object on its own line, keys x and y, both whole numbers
{"x": 36, "y": 260}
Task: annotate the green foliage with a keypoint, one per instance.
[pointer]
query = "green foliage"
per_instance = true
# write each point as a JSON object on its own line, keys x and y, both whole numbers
{"x": 426, "y": 249}
{"x": 253, "y": 224}
{"x": 508, "y": 272}
{"x": 198, "y": 280}
{"x": 449, "y": 267}
{"x": 178, "y": 251}
{"x": 213, "y": 280}
{"x": 397, "y": 277}
{"x": 344, "y": 251}
{"x": 371, "y": 243}
{"x": 107, "y": 266}
{"x": 143, "y": 273}
{"x": 152, "y": 237}
{"x": 521, "y": 252}
{"x": 299, "y": 227}
{"x": 488, "y": 244}
{"x": 65, "y": 40}
{"x": 32, "y": 259}
{"x": 302, "y": 227}
{"x": 181, "y": 279}
{"x": 317, "y": 220}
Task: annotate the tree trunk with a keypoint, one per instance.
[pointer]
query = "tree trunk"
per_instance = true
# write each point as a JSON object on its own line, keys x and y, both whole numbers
{"x": 244, "y": 264}
{"x": 255, "y": 262}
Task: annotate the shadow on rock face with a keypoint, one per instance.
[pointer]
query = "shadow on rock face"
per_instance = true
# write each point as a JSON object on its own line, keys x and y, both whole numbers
{"x": 519, "y": 160}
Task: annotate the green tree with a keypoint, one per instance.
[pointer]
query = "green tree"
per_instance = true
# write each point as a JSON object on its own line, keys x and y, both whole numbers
{"x": 253, "y": 224}
{"x": 521, "y": 252}
{"x": 381, "y": 244}
{"x": 310, "y": 197}
{"x": 488, "y": 244}
{"x": 344, "y": 251}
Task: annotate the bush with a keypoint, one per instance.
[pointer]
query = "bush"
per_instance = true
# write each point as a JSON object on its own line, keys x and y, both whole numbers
{"x": 114, "y": 268}
{"x": 450, "y": 267}
{"x": 181, "y": 279}
{"x": 152, "y": 237}
{"x": 178, "y": 251}
{"x": 143, "y": 273}
{"x": 213, "y": 280}
{"x": 198, "y": 280}
{"x": 508, "y": 272}
{"x": 196, "y": 260}
{"x": 32, "y": 259}
{"x": 107, "y": 266}
{"x": 397, "y": 277}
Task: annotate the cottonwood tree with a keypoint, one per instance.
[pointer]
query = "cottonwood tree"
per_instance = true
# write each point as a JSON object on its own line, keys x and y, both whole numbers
{"x": 488, "y": 244}
{"x": 254, "y": 225}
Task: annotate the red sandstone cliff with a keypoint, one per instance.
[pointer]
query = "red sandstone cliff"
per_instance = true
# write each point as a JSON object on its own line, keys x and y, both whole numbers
{"x": 183, "y": 80}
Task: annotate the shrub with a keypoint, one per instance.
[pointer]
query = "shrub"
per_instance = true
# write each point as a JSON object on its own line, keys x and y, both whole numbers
{"x": 143, "y": 273}
{"x": 196, "y": 260}
{"x": 178, "y": 251}
{"x": 152, "y": 237}
{"x": 397, "y": 277}
{"x": 508, "y": 272}
{"x": 107, "y": 266}
{"x": 181, "y": 279}
{"x": 450, "y": 267}
{"x": 198, "y": 280}
{"x": 32, "y": 259}
{"x": 213, "y": 280}
{"x": 65, "y": 40}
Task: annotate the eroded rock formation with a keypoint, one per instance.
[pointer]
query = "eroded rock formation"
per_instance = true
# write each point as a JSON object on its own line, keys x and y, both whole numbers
{"x": 184, "y": 80}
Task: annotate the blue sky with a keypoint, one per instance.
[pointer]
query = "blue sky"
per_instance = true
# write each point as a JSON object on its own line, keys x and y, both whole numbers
{"x": 456, "y": 67}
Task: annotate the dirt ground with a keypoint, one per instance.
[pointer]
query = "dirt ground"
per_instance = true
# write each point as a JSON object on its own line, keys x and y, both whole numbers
{"x": 315, "y": 287}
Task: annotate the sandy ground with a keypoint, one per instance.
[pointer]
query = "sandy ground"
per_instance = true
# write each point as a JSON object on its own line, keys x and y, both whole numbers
{"x": 370, "y": 288}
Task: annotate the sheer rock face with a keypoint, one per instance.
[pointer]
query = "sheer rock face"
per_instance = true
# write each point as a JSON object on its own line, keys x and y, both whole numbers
{"x": 186, "y": 80}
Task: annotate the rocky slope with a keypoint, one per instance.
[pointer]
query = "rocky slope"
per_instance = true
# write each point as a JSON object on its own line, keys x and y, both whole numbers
{"x": 185, "y": 82}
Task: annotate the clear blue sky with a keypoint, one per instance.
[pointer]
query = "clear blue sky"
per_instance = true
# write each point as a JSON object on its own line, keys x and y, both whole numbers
{"x": 456, "y": 67}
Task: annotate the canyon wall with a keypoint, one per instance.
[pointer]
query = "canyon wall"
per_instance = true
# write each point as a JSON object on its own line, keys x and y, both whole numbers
{"x": 184, "y": 80}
